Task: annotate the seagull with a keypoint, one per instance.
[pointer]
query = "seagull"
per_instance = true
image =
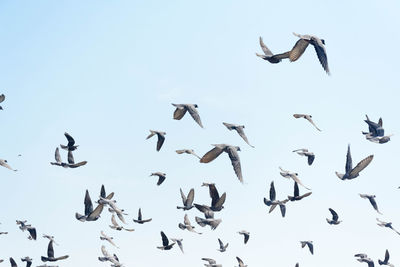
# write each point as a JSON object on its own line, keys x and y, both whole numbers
{"x": 4, "y": 163}
{"x": 292, "y": 175}
{"x": 160, "y": 137}
{"x": 187, "y": 151}
{"x": 71, "y": 162}
{"x": 140, "y": 220}
{"x": 386, "y": 224}
{"x": 386, "y": 260}
{"x": 2, "y": 98}
{"x": 181, "y": 109}
{"x": 233, "y": 155}
{"x": 187, "y": 225}
{"x": 166, "y": 245}
{"x": 273, "y": 202}
{"x": 90, "y": 214}
{"x": 304, "y": 152}
{"x": 107, "y": 238}
{"x": 211, "y": 263}
{"x": 371, "y": 199}
{"x": 301, "y": 45}
{"x": 108, "y": 257}
{"x": 335, "y": 218}
{"x": 246, "y": 235}
{"x": 271, "y": 58}
{"x": 187, "y": 201}
{"x": 179, "y": 242}
{"x": 297, "y": 196}
{"x": 217, "y": 202}
{"x": 50, "y": 254}
{"x": 239, "y": 129}
{"x": 307, "y": 117}
{"x": 23, "y": 226}
{"x": 161, "y": 177}
{"x": 309, "y": 244}
{"x": 71, "y": 143}
{"x": 241, "y": 264}
{"x": 51, "y": 238}
{"x": 27, "y": 260}
{"x": 364, "y": 258}
{"x": 351, "y": 172}
{"x": 222, "y": 247}
{"x": 213, "y": 223}
{"x": 118, "y": 227}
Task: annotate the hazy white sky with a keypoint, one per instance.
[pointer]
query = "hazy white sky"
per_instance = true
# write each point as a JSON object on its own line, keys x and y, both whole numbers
{"x": 108, "y": 71}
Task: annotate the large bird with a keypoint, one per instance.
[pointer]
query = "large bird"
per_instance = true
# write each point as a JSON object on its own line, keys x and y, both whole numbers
{"x": 386, "y": 260}
{"x": 351, "y": 172}
{"x": 71, "y": 143}
{"x": 187, "y": 201}
{"x": 181, "y": 109}
{"x": 166, "y": 245}
{"x": 90, "y": 213}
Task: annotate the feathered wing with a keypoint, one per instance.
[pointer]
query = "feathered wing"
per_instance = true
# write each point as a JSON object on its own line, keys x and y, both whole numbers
{"x": 57, "y": 156}
{"x": 298, "y": 49}
{"x": 241, "y": 133}
{"x": 179, "y": 113}
{"x": 211, "y": 155}
{"x": 349, "y": 161}
{"x": 183, "y": 197}
{"x": 190, "y": 198}
{"x": 140, "y": 214}
{"x": 50, "y": 250}
{"x": 2, "y": 98}
{"x": 335, "y": 216}
{"x": 70, "y": 157}
{"x": 13, "y": 263}
{"x": 220, "y": 202}
{"x": 265, "y": 48}
{"x": 71, "y": 140}
{"x": 296, "y": 189}
{"x": 88, "y": 204}
{"x": 213, "y": 194}
{"x": 195, "y": 115}
{"x": 165, "y": 240}
{"x": 361, "y": 166}
{"x": 272, "y": 193}
{"x": 321, "y": 53}
{"x": 235, "y": 160}
{"x": 160, "y": 141}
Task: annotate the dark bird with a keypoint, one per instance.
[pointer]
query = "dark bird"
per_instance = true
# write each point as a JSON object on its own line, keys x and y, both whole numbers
{"x": 364, "y": 258}
{"x": 307, "y": 117}
{"x": 181, "y": 109}
{"x": 268, "y": 56}
{"x": 387, "y": 224}
{"x": 187, "y": 201}
{"x": 272, "y": 202}
{"x": 161, "y": 177}
{"x": 71, "y": 162}
{"x": 50, "y": 254}
{"x": 232, "y": 153}
{"x": 309, "y": 244}
{"x": 213, "y": 223}
{"x": 374, "y": 129}
{"x": 222, "y": 247}
{"x": 13, "y": 263}
{"x": 160, "y": 138}
{"x": 239, "y": 129}
{"x": 371, "y": 199}
{"x": 246, "y": 235}
{"x": 71, "y": 143}
{"x": 297, "y": 196}
{"x": 24, "y": 226}
{"x": 386, "y": 260}
{"x": 27, "y": 260}
{"x": 2, "y": 98}
{"x": 335, "y": 218}
{"x": 241, "y": 264}
{"x": 211, "y": 263}
{"x": 217, "y": 201}
{"x": 140, "y": 220}
{"x": 165, "y": 242}
{"x": 304, "y": 152}
{"x": 208, "y": 212}
{"x": 90, "y": 213}
{"x": 351, "y": 172}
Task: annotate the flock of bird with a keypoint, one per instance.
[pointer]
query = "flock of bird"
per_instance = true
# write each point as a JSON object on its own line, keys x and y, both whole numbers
{"x": 208, "y": 213}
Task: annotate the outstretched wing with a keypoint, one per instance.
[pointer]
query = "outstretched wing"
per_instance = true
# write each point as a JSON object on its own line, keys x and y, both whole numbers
{"x": 211, "y": 155}
{"x": 298, "y": 49}
{"x": 321, "y": 53}
{"x": 71, "y": 140}
{"x": 195, "y": 115}
{"x": 335, "y": 216}
{"x": 235, "y": 160}
{"x": 164, "y": 239}
{"x": 361, "y": 166}
{"x": 265, "y": 48}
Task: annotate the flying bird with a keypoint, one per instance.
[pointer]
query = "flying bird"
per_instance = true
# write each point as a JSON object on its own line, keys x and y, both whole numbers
{"x": 307, "y": 117}
{"x": 371, "y": 199}
{"x": 222, "y": 247}
{"x": 292, "y": 175}
{"x": 50, "y": 254}
{"x": 140, "y": 220}
{"x": 13, "y": 263}
{"x": 246, "y": 235}
{"x": 296, "y": 196}
{"x": 2, "y": 98}
{"x": 107, "y": 238}
{"x": 309, "y": 244}
{"x": 335, "y": 218}
{"x": 108, "y": 257}
{"x": 374, "y": 129}
{"x": 187, "y": 225}
{"x": 160, "y": 138}
{"x": 241, "y": 264}
{"x": 187, "y": 151}
{"x": 239, "y": 129}
{"x": 27, "y": 260}
{"x": 90, "y": 213}
{"x": 161, "y": 177}
{"x": 165, "y": 242}
{"x": 118, "y": 227}
{"x": 351, "y": 172}
{"x": 217, "y": 201}
{"x": 179, "y": 242}
{"x": 187, "y": 201}
{"x": 213, "y": 223}
{"x": 272, "y": 202}
{"x": 211, "y": 263}
{"x": 71, "y": 162}
{"x": 4, "y": 163}
{"x": 304, "y": 152}
{"x": 23, "y": 226}
{"x": 208, "y": 212}
{"x": 387, "y": 224}
{"x": 386, "y": 260}
{"x": 364, "y": 258}
{"x": 232, "y": 153}
{"x": 181, "y": 109}
{"x": 268, "y": 56}
{"x": 71, "y": 143}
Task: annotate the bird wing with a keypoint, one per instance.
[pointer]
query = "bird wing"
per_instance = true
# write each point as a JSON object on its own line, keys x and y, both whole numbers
{"x": 186, "y": 220}
{"x": 76, "y": 165}
{"x": 265, "y": 48}
{"x": 349, "y": 161}
{"x": 164, "y": 239}
{"x": 283, "y": 209}
{"x": 239, "y": 261}
{"x": 113, "y": 221}
{"x": 103, "y": 191}
{"x": 88, "y": 204}
{"x": 272, "y": 192}
{"x": 183, "y": 197}
{"x": 211, "y": 155}
{"x": 2, "y": 97}
{"x": 311, "y": 247}
{"x": 220, "y": 202}
{"x": 361, "y": 166}
{"x": 179, "y": 113}
{"x": 221, "y": 245}
{"x": 380, "y": 122}
{"x": 298, "y": 49}
{"x": 195, "y": 115}
{"x": 228, "y": 125}
{"x": 335, "y": 216}
{"x": 71, "y": 140}
{"x": 190, "y": 198}
{"x": 312, "y": 122}
{"x": 241, "y": 133}
{"x": 140, "y": 214}
{"x": 373, "y": 203}
{"x": 235, "y": 160}
{"x": 321, "y": 53}
{"x": 298, "y": 116}
{"x": 246, "y": 238}
{"x": 387, "y": 256}
{"x": 50, "y": 250}
{"x": 13, "y": 263}
{"x": 96, "y": 213}
{"x": 213, "y": 194}
{"x": 32, "y": 232}
{"x": 104, "y": 251}
{"x": 296, "y": 179}
{"x": 296, "y": 189}
{"x": 161, "y": 179}
{"x": 71, "y": 158}
{"x": 57, "y": 155}
{"x": 160, "y": 141}
{"x": 310, "y": 159}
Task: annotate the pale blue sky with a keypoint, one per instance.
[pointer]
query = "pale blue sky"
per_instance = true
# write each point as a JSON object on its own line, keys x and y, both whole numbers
{"x": 108, "y": 71}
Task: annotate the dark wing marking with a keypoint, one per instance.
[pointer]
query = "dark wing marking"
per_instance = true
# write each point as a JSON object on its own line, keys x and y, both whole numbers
{"x": 50, "y": 250}
{"x": 164, "y": 239}
{"x": 296, "y": 189}
{"x": 71, "y": 140}
{"x": 335, "y": 216}
{"x": 57, "y": 155}
{"x": 88, "y": 204}
{"x": 220, "y": 202}
{"x": 272, "y": 193}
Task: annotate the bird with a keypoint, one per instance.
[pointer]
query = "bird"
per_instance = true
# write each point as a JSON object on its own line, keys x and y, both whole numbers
{"x": 181, "y": 109}
{"x": 108, "y": 257}
{"x": 208, "y": 212}
{"x": 268, "y": 56}
{"x": 386, "y": 260}
{"x": 71, "y": 143}
{"x": 13, "y": 263}
{"x": 296, "y": 196}
{"x": 187, "y": 225}
{"x": 371, "y": 199}
{"x": 378, "y": 139}
{"x": 307, "y": 117}
{"x": 160, "y": 138}
{"x": 90, "y": 213}
{"x": 187, "y": 151}
{"x": 118, "y": 227}
{"x": 272, "y": 202}
{"x": 374, "y": 129}
{"x": 2, "y": 98}
{"x": 71, "y": 162}
{"x": 23, "y": 226}
{"x": 364, "y": 258}
{"x": 335, "y": 218}
{"x": 309, "y": 244}
{"x": 165, "y": 242}
{"x": 113, "y": 208}
{"x": 211, "y": 263}
{"x": 222, "y": 247}
{"x": 246, "y": 235}
{"x": 213, "y": 223}
{"x": 239, "y": 129}
{"x": 292, "y": 175}
{"x": 179, "y": 242}
{"x": 4, "y": 163}
{"x": 351, "y": 172}
{"x": 140, "y": 220}
{"x": 50, "y": 237}
{"x": 387, "y": 224}
{"x": 50, "y": 254}
{"x": 187, "y": 201}
{"x": 161, "y": 177}
{"x": 232, "y": 153}
{"x": 27, "y": 260}
{"x": 241, "y": 264}
{"x": 107, "y": 238}
{"x": 304, "y": 152}
{"x": 217, "y": 201}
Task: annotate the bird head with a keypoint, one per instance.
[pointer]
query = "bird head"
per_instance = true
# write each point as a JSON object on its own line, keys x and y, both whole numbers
{"x": 195, "y": 105}
{"x": 323, "y": 41}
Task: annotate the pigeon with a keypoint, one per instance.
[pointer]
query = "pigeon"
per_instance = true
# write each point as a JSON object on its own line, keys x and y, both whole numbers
{"x": 160, "y": 137}
{"x": 179, "y": 242}
{"x": 222, "y": 247}
{"x": 3, "y": 233}
{"x": 27, "y": 260}
{"x": 13, "y": 263}
{"x": 364, "y": 258}
{"x": 335, "y": 218}
{"x": 90, "y": 214}
{"x": 4, "y": 163}
{"x": 233, "y": 155}
{"x": 386, "y": 260}
{"x": 268, "y": 56}
{"x": 374, "y": 129}
{"x": 246, "y": 235}
{"x": 211, "y": 263}
{"x": 165, "y": 242}
{"x": 181, "y": 109}
{"x": 161, "y": 177}
{"x": 208, "y": 212}
{"x": 113, "y": 208}
{"x": 118, "y": 227}
{"x": 187, "y": 225}
{"x": 50, "y": 254}
{"x": 371, "y": 199}
{"x": 71, "y": 162}
{"x": 213, "y": 223}
{"x": 387, "y": 224}
{"x": 309, "y": 244}
{"x": 292, "y": 175}
{"x": 241, "y": 264}
{"x": 71, "y": 143}
{"x": 187, "y": 151}
{"x": 32, "y": 230}
{"x": 378, "y": 139}
{"x": 304, "y": 152}
{"x": 187, "y": 201}
{"x": 107, "y": 238}
{"x": 2, "y": 98}
{"x": 140, "y": 220}
{"x": 239, "y": 129}
{"x": 297, "y": 196}
{"x": 51, "y": 238}
{"x": 272, "y": 202}
{"x": 217, "y": 202}
{"x": 351, "y": 172}
{"x": 108, "y": 257}
{"x": 307, "y": 117}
